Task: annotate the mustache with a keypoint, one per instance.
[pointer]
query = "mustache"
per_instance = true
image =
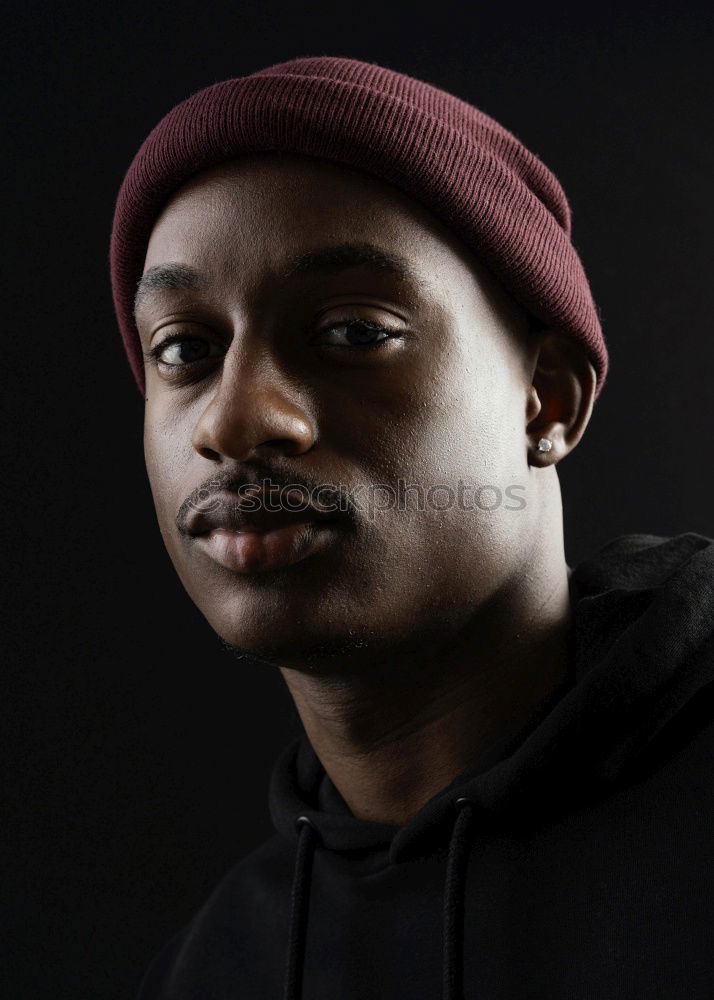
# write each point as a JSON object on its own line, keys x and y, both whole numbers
{"x": 323, "y": 496}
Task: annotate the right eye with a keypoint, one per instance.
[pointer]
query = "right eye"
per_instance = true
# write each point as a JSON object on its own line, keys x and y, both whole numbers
{"x": 178, "y": 351}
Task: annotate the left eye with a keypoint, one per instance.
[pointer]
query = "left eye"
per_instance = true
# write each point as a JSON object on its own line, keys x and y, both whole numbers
{"x": 179, "y": 352}
{"x": 356, "y": 333}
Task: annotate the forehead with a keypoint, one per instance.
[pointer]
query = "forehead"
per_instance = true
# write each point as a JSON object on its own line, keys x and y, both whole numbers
{"x": 262, "y": 208}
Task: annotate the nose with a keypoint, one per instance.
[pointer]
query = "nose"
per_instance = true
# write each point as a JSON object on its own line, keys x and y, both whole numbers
{"x": 254, "y": 407}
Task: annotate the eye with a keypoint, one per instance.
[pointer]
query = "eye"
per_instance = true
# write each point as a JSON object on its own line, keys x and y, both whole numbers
{"x": 355, "y": 333}
{"x": 179, "y": 351}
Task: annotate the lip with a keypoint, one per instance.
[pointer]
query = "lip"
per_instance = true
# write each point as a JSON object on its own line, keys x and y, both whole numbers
{"x": 226, "y": 512}
{"x": 251, "y": 550}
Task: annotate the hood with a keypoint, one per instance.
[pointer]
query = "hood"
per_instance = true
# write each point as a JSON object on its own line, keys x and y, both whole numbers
{"x": 643, "y": 649}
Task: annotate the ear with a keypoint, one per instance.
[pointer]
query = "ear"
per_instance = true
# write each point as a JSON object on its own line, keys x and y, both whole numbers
{"x": 560, "y": 397}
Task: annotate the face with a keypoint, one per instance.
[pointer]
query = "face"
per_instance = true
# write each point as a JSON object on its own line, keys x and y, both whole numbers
{"x": 311, "y": 326}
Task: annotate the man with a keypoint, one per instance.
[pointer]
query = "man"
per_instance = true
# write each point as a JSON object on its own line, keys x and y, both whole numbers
{"x": 365, "y": 343}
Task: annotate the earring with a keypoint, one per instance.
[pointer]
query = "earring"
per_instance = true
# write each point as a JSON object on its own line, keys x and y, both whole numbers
{"x": 545, "y": 444}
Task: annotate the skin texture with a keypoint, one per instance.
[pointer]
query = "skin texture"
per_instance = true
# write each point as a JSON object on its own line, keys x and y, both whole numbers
{"x": 410, "y": 639}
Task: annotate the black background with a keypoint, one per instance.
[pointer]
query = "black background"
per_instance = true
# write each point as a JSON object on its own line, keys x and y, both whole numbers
{"x": 137, "y": 751}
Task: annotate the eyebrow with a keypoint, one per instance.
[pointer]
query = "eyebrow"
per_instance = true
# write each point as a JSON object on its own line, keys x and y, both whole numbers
{"x": 166, "y": 276}
{"x": 323, "y": 260}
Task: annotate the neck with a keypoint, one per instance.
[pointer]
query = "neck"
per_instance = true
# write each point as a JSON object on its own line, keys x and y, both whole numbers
{"x": 392, "y": 736}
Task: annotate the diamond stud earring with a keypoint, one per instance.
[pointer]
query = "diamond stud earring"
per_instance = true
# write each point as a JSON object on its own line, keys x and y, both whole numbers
{"x": 545, "y": 444}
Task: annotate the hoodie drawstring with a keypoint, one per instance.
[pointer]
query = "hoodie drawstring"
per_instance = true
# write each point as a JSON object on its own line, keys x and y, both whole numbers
{"x": 300, "y": 902}
{"x": 456, "y": 865}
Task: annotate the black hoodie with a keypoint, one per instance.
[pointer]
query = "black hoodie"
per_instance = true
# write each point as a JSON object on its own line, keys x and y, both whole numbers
{"x": 574, "y": 859}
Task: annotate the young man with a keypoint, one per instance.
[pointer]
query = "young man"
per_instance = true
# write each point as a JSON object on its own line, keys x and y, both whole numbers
{"x": 365, "y": 342}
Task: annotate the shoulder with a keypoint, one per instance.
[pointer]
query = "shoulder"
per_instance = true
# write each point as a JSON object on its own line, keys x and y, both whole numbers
{"x": 247, "y": 904}
{"x": 640, "y": 560}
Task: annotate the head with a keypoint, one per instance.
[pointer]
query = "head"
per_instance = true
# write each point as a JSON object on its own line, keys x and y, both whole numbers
{"x": 326, "y": 275}
{"x": 328, "y": 330}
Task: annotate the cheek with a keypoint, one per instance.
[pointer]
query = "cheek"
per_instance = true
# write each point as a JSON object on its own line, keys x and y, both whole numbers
{"x": 477, "y": 426}
{"x": 467, "y": 426}
{"x": 439, "y": 422}
{"x": 166, "y": 455}
{"x": 461, "y": 443}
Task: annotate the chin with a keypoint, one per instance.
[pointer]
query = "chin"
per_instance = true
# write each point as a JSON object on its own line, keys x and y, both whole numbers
{"x": 296, "y": 651}
{"x": 285, "y": 637}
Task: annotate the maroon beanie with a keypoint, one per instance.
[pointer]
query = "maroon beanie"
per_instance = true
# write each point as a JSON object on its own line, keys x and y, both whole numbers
{"x": 458, "y": 162}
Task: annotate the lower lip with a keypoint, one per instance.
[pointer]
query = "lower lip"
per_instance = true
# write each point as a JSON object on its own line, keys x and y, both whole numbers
{"x": 260, "y": 551}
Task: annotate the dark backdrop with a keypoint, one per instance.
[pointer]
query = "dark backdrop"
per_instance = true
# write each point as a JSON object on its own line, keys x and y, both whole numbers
{"x": 137, "y": 752}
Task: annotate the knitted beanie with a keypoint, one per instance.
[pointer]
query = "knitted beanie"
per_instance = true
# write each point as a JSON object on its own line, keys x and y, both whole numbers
{"x": 459, "y": 163}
